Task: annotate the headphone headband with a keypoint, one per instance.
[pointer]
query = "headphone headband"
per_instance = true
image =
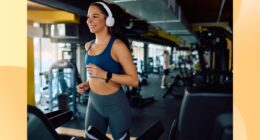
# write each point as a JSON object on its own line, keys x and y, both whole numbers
{"x": 110, "y": 21}
{"x": 106, "y": 8}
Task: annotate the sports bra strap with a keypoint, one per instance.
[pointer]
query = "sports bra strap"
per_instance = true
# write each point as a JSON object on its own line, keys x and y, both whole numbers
{"x": 90, "y": 45}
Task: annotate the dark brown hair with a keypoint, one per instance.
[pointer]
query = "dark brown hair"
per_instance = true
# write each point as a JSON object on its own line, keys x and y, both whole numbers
{"x": 116, "y": 29}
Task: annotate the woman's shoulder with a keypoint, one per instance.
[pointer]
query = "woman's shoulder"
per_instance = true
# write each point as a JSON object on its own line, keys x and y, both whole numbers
{"x": 119, "y": 44}
{"x": 88, "y": 44}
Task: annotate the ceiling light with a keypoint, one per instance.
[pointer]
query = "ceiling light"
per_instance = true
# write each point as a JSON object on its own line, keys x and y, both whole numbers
{"x": 119, "y": 1}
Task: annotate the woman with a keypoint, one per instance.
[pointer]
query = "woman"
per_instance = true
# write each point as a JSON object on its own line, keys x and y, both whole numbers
{"x": 109, "y": 65}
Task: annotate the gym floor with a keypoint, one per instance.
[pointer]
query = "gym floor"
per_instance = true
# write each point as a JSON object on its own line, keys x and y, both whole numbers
{"x": 164, "y": 109}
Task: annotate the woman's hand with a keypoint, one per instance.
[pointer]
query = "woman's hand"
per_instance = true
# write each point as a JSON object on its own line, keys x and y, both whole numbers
{"x": 81, "y": 88}
{"x": 95, "y": 72}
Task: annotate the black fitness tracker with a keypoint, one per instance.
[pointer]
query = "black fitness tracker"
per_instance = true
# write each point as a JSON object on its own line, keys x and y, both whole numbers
{"x": 109, "y": 76}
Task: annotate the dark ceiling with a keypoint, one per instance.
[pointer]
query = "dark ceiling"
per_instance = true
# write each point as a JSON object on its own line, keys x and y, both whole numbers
{"x": 195, "y": 11}
{"x": 207, "y": 11}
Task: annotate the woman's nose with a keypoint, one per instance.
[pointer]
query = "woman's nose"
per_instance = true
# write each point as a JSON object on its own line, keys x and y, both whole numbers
{"x": 88, "y": 21}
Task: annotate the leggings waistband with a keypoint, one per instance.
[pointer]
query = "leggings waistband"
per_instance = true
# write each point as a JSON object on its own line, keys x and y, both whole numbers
{"x": 110, "y": 99}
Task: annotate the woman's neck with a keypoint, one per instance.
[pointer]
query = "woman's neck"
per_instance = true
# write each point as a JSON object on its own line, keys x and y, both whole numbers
{"x": 102, "y": 38}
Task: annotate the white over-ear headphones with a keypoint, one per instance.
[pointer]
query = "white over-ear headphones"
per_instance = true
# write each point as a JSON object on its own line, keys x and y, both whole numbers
{"x": 110, "y": 21}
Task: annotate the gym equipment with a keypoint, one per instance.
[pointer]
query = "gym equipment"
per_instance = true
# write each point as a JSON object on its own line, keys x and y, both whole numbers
{"x": 175, "y": 83}
{"x": 143, "y": 78}
{"x": 223, "y": 127}
{"x": 94, "y": 132}
{"x": 44, "y": 91}
{"x": 184, "y": 77}
{"x": 152, "y": 133}
{"x": 208, "y": 78}
{"x": 62, "y": 86}
{"x": 110, "y": 21}
{"x": 199, "y": 114}
{"x": 135, "y": 98}
{"x": 42, "y": 126}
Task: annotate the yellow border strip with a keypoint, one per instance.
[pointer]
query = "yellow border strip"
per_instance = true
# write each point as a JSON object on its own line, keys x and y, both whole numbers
{"x": 78, "y": 132}
{"x": 42, "y": 16}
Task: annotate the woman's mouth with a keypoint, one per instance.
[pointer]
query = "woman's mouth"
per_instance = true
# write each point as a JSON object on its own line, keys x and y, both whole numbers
{"x": 91, "y": 26}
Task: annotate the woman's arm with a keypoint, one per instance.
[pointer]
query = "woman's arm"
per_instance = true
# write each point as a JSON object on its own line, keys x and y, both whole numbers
{"x": 124, "y": 57}
{"x": 81, "y": 88}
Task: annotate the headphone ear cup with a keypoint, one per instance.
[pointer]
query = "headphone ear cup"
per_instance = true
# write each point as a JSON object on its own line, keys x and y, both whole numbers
{"x": 110, "y": 21}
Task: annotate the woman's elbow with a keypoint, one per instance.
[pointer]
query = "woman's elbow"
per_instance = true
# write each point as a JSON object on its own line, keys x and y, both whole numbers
{"x": 135, "y": 82}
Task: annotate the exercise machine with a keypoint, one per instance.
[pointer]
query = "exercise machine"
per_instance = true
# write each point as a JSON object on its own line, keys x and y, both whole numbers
{"x": 42, "y": 126}
{"x": 62, "y": 86}
{"x": 135, "y": 98}
{"x": 152, "y": 133}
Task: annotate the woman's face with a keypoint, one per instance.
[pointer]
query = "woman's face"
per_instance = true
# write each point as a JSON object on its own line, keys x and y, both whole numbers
{"x": 95, "y": 19}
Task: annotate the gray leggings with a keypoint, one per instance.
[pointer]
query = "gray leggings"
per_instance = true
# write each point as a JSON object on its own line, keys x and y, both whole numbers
{"x": 111, "y": 110}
